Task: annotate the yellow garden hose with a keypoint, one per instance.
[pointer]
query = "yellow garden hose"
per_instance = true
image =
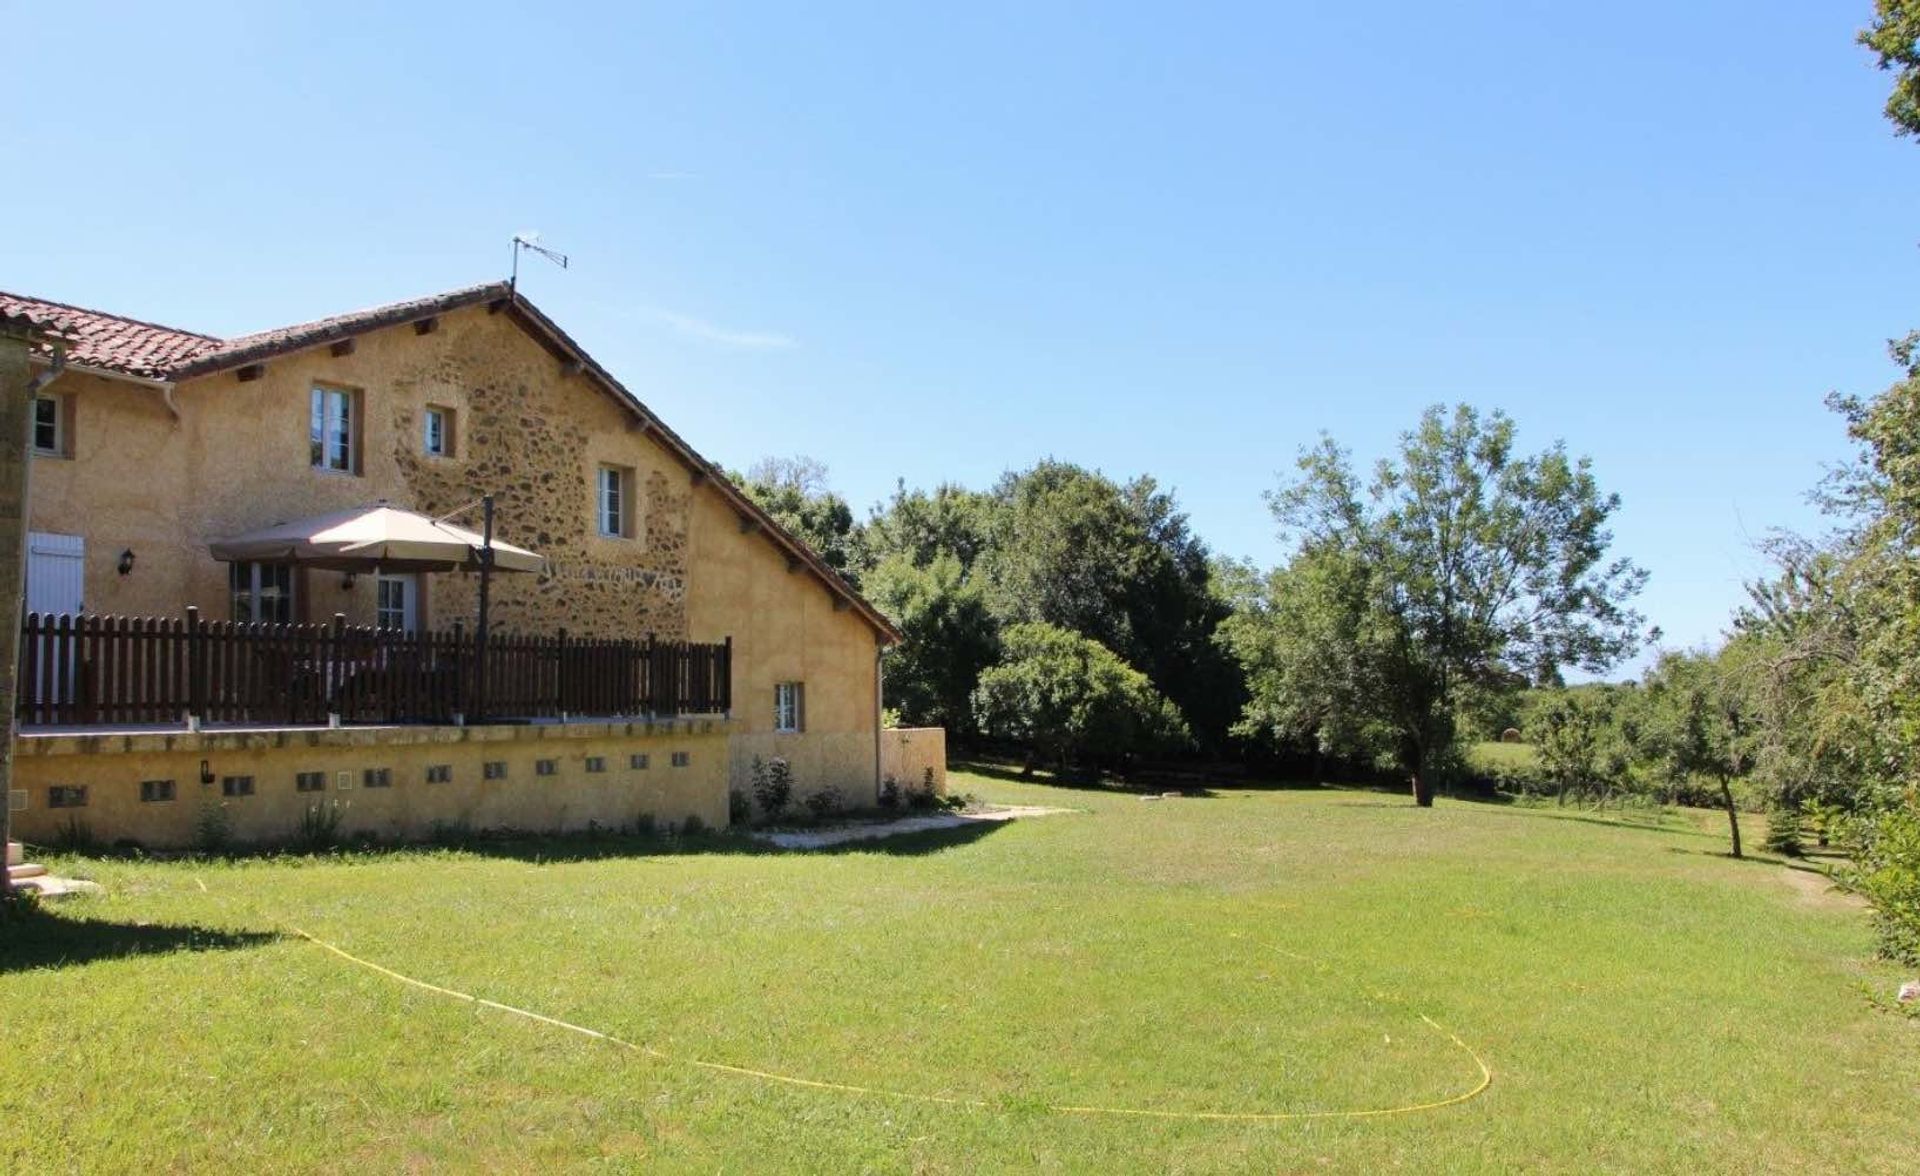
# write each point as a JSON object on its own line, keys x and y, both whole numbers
{"x": 1486, "y": 1073}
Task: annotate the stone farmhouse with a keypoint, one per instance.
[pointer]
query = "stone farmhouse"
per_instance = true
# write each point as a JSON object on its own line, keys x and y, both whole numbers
{"x": 152, "y": 445}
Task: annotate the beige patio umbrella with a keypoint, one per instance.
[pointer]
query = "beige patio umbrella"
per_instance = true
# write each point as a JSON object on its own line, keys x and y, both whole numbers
{"x": 374, "y": 537}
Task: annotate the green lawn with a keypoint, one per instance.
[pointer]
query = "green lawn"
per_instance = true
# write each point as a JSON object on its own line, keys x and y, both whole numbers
{"x": 1645, "y": 1003}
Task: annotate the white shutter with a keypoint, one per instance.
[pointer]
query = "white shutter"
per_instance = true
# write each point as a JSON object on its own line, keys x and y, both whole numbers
{"x": 56, "y": 573}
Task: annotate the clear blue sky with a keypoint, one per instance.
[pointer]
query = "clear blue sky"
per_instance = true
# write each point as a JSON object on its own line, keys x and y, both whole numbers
{"x": 1178, "y": 240}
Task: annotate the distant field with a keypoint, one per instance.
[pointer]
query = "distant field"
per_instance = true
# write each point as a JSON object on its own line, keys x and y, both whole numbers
{"x": 1645, "y": 1003}
{"x": 1494, "y": 757}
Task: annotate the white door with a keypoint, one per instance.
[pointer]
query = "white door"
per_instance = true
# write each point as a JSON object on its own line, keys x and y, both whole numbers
{"x": 398, "y": 605}
{"x": 56, "y": 573}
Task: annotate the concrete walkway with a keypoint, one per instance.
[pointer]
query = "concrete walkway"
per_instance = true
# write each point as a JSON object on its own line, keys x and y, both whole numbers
{"x": 841, "y": 834}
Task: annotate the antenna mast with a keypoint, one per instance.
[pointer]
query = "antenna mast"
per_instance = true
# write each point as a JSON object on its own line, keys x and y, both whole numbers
{"x": 530, "y": 241}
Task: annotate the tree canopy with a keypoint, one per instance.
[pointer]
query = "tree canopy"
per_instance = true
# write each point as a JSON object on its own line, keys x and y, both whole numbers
{"x": 1458, "y": 564}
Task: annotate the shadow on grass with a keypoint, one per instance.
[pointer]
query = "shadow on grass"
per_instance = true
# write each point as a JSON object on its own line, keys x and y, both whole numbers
{"x": 1757, "y": 859}
{"x": 602, "y": 847}
{"x": 45, "y": 939}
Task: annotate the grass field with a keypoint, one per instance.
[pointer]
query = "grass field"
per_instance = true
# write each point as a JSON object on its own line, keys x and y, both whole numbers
{"x": 1645, "y": 1004}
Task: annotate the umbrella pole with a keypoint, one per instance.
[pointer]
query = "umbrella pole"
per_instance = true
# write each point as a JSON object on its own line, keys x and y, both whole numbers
{"x": 480, "y": 631}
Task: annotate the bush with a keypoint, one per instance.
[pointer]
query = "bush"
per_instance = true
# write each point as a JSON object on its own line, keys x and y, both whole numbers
{"x": 1072, "y": 702}
{"x": 739, "y": 807}
{"x": 890, "y": 793}
{"x": 772, "y": 786}
{"x": 693, "y": 826}
{"x": 77, "y": 837}
{"x": 213, "y": 828}
{"x": 644, "y": 825}
{"x": 1785, "y": 830}
{"x": 824, "y": 803}
{"x": 1886, "y": 872}
{"x": 319, "y": 826}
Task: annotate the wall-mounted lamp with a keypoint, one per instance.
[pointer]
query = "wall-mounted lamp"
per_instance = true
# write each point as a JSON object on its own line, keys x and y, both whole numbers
{"x": 126, "y": 561}
{"x": 346, "y": 582}
{"x": 206, "y": 773}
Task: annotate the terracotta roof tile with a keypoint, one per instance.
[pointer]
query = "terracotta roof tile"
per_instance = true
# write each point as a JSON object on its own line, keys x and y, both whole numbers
{"x": 109, "y": 341}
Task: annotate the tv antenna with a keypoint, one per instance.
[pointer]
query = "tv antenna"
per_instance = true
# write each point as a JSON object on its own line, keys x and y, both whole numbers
{"x": 523, "y": 241}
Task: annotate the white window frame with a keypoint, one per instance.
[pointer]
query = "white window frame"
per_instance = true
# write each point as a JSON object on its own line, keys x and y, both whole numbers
{"x": 332, "y": 417}
{"x": 256, "y": 599}
{"x": 437, "y": 438}
{"x": 611, "y": 502}
{"x": 59, "y": 446}
{"x": 789, "y": 707}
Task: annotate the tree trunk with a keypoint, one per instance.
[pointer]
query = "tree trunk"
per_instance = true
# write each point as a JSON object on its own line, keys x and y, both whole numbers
{"x": 1422, "y": 789}
{"x": 1733, "y": 814}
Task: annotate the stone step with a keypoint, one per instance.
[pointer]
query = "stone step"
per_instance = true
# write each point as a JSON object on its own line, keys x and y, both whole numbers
{"x": 21, "y": 873}
{"x": 50, "y": 887}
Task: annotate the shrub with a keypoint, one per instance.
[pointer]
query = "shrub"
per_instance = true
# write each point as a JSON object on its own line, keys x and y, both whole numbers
{"x": 77, "y": 837}
{"x": 889, "y": 792}
{"x": 213, "y": 828}
{"x": 772, "y": 786}
{"x": 644, "y": 825}
{"x": 693, "y": 826}
{"x": 319, "y": 826}
{"x": 451, "y": 832}
{"x": 1886, "y": 872}
{"x": 1784, "y": 830}
{"x": 824, "y": 803}
{"x": 739, "y": 807}
{"x": 1072, "y": 702}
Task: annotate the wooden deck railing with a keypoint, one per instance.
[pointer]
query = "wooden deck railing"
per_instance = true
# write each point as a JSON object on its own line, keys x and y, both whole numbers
{"x": 88, "y": 670}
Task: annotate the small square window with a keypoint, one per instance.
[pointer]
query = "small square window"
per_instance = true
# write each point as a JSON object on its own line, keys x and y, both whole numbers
{"x": 439, "y": 773}
{"x": 437, "y": 439}
{"x": 156, "y": 791}
{"x": 682, "y": 759}
{"x": 637, "y": 761}
{"x": 546, "y": 767}
{"x": 49, "y": 426}
{"x": 236, "y": 785}
{"x": 377, "y": 778}
{"x": 310, "y": 782}
{"x": 596, "y": 763}
{"x": 495, "y": 770}
{"x": 67, "y": 796}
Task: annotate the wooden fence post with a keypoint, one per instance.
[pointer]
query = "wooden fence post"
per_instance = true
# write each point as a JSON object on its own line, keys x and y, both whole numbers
{"x": 196, "y": 670}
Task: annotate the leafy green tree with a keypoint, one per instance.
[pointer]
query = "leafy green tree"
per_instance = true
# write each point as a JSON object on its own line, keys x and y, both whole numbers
{"x": 1578, "y": 736}
{"x": 950, "y": 637}
{"x": 1072, "y": 703}
{"x": 1118, "y": 564}
{"x": 1458, "y": 566}
{"x": 921, "y": 526}
{"x": 1894, "y": 36}
{"x": 794, "y": 491}
{"x": 1700, "y": 723}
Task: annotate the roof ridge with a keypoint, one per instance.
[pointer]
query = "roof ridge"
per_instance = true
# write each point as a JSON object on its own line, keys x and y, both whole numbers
{"x": 236, "y": 341}
{"x": 124, "y": 318}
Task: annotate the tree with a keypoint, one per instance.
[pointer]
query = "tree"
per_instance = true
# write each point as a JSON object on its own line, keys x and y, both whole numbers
{"x": 794, "y": 491}
{"x": 1119, "y": 564}
{"x": 1699, "y": 723}
{"x": 1458, "y": 566}
{"x": 1578, "y": 736}
{"x": 1894, "y": 36}
{"x": 949, "y": 638}
{"x": 1072, "y": 703}
{"x": 922, "y": 526}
